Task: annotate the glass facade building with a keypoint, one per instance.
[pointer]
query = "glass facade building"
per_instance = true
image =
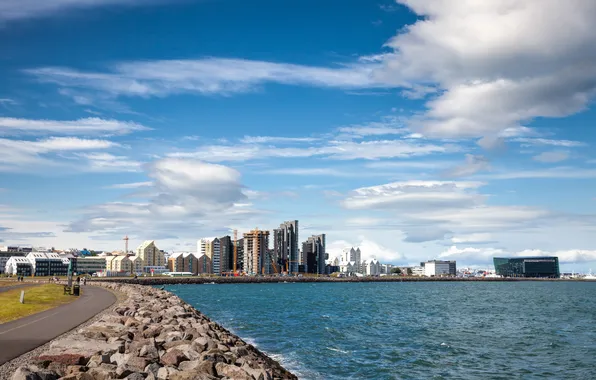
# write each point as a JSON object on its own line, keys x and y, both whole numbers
{"x": 527, "y": 266}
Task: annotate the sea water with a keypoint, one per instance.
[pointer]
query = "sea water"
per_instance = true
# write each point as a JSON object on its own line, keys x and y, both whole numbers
{"x": 438, "y": 330}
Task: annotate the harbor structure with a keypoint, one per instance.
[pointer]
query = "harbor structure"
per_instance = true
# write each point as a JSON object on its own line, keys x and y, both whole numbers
{"x": 538, "y": 266}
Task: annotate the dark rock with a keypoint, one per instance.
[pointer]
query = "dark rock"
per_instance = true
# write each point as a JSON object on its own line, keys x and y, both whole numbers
{"x": 124, "y": 370}
{"x": 152, "y": 368}
{"x": 214, "y": 356}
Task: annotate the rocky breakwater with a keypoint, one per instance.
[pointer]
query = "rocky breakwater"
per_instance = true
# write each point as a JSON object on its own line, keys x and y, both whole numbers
{"x": 153, "y": 335}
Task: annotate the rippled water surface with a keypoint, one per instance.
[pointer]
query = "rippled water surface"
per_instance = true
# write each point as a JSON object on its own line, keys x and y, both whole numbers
{"x": 412, "y": 330}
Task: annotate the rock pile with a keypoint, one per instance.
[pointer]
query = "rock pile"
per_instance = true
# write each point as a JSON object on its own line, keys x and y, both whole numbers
{"x": 152, "y": 335}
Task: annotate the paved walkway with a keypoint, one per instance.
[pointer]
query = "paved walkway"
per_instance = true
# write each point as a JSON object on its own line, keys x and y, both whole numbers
{"x": 25, "y": 334}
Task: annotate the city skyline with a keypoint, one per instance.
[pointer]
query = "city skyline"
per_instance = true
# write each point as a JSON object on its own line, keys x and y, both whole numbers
{"x": 378, "y": 124}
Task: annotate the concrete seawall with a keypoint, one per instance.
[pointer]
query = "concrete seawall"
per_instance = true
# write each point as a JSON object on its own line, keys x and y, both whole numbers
{"x": 152, "y": 334}
{"x": 164, "y": 280}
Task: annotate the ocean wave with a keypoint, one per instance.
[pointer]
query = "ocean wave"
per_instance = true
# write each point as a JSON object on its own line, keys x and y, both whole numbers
{"x": 337, "y": 350}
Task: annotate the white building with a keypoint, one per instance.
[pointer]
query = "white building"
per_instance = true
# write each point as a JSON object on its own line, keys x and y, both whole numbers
{"x": 18, "y": 265}
{"x": 348, "y": 267}
{"x": 435, "y": 268}
{"x": 371, "y": 268}
{"x": 417, "y": 271}
{"x": 386, "y": 268}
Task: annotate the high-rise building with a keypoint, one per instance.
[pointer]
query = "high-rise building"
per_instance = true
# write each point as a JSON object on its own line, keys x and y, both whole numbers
{"x": 285, "y": 246}
{"x": 239, "y": 255}
{"x": 211, "y": 247}
{"x": 151, "y": 255}
{"x": 226, "y": 248}
{"x": 256, "y": 244}
{"x": 313, "y": 252}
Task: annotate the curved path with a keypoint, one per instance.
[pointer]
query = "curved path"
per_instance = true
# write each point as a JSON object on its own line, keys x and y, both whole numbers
{"x": 25, "y": 334}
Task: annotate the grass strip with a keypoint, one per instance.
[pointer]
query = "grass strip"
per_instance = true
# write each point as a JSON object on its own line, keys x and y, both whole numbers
{"x": 37, "y": 299}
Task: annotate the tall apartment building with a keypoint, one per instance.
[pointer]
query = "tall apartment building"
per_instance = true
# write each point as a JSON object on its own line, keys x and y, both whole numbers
{"x": 313, "y": 252}
{"x": 211, "y": 247}
{"x": 226, "y": 249}
{"x": 256, "y": 244}
{"x": 151, "y": 255}
{"x": 240, "y": 255}
{"x": 285, "y": 246}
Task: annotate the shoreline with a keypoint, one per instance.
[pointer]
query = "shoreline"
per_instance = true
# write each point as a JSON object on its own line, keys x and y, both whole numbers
{"x": 163, "y": 280}
{"x": 148, "y": 334}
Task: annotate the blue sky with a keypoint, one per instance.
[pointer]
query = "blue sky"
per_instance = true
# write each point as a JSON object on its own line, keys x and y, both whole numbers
{"x": 415, "y": 129}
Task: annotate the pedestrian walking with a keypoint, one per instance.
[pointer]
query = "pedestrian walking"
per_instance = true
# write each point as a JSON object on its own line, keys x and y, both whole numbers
{"x": 84, "y": 281}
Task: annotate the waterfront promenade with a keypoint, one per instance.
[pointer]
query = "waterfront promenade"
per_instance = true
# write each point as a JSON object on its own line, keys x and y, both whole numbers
{"x": 25, "y": 334}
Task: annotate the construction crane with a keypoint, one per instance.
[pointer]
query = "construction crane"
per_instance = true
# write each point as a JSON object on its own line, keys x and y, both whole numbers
{"x": 273, "y": 265}
{"x": 125, "y": 244}
{"x": 235, "y": 251}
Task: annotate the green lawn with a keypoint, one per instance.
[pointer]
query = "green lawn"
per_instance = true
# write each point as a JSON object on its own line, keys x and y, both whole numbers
{"x": 37, "y": 298}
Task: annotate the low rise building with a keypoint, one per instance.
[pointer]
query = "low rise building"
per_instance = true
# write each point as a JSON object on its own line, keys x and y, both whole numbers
{"x": 87, "y": 265}
{"x": 435, "y": 268}
{"x": 136, "y": 264}
{"x": 118, "y": 264}
{"x": 18, "y": 266}
{"x": 183, "y": 262}
{"x": 48, "y": 264}
{"x": 204, "y": 265}
{"x": 544, "y": 266}
{"x": 371, "y": 267}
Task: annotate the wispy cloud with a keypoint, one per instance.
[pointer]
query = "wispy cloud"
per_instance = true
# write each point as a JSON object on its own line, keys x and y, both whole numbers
{"x": 557, "y": 172}
{"x": 209, "y": 76}
{"x": 87, "y": 126}
{"x": 133, "y": 185}
{"x": 275, "y": 139}
{"x": 39, "y": 154}
{"x": 472, "y": 165}
{"x": 550, "y": 157}
{"x": 20, "y": 9}
{"x": 337, "y": 150}
{"x": 541, "y": 141}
